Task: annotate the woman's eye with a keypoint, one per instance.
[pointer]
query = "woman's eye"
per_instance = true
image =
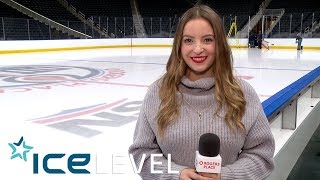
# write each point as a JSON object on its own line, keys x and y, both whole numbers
{"x": 208, "y": 40}
{"x": 187, "y": 40}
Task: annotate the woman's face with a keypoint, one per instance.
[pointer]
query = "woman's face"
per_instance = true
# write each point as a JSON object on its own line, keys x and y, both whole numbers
{"x": 198, "y": 48}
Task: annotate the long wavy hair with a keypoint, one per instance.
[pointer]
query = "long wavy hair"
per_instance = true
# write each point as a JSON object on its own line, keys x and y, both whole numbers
{"x": 227, "y": 90}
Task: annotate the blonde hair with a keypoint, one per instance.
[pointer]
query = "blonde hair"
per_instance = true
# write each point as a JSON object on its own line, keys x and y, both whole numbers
{"x": 227, "y": 90}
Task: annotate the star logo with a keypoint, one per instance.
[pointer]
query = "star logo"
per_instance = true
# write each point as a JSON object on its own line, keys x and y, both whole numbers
{"x": 20, "y": 149}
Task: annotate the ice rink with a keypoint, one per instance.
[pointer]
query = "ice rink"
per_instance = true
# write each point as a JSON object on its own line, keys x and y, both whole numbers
{"x": 88, "y": 102}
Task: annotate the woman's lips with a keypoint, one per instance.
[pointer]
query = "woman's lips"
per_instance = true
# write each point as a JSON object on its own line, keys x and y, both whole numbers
{"x": 198, "y": 59}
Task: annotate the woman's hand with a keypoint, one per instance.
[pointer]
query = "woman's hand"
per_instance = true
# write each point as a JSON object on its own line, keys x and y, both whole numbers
{"x": 213, "y": 176}
{"x": 191, "y": 174}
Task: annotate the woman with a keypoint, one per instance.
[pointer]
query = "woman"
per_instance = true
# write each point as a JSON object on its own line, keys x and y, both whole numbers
{"x": 199, "y": 94}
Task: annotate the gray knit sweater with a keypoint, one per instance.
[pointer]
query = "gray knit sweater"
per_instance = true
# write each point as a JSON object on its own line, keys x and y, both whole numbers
{"x": 244, "y": 156}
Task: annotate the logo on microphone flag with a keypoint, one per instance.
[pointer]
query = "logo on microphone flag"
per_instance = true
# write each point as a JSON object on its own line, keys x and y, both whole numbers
{"x": 207, "y": 164}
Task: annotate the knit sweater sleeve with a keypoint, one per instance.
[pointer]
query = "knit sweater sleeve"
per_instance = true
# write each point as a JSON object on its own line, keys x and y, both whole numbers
{"x": 256, "y": 158}
{"x": 145, "y": 143}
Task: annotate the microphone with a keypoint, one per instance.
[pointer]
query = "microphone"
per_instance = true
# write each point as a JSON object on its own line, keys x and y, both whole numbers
{"x": 208, "y": 159}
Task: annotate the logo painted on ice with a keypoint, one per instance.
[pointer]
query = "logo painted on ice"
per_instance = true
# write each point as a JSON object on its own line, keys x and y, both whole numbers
{"x": 114, "y": 114}
{"x": 18, "y": 76}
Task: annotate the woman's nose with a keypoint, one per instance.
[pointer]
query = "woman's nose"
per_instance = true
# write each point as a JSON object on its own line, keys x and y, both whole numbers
{"x": 198, "y": 48}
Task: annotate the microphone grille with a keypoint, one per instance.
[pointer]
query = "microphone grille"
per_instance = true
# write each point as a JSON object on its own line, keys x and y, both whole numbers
{"x": 209, "y": 145}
